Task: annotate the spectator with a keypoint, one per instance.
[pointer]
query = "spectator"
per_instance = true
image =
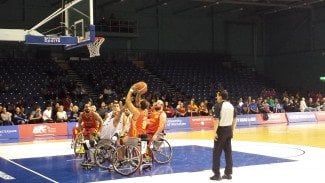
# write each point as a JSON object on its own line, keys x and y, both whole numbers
{"x": 19, "y": 117}
{"x": 277, "y": 106}
{"x": 36, "y": 115}
{"x": 169, "y": 110}
{"x": 74, "y": 114}
{"x": 47, "y": 114}
{"x": 253, "y": 108}
{"x": 192, "y": 108}
{"x": 203, "y": 109}
{"x": 6, "y": 117}
{"x": 61, "y": 115}
{"x": 180, "y": 109}
{"x": 102, "y": 111}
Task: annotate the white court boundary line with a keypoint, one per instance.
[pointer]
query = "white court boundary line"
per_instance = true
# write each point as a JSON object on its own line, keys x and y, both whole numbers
{"x": 21, "y": 166}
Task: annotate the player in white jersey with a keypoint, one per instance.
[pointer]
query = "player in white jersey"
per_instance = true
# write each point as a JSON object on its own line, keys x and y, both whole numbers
{"x": 111, "y": 127}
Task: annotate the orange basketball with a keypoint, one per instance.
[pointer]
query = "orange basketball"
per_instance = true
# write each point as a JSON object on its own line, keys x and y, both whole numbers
{"x": 140, "y": 87}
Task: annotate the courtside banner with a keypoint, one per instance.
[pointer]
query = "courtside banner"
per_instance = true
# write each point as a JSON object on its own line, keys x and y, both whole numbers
{"x": 180, "y": 124}
{"x": 320, "y": 116}
{"x": 273, "y": 118}
{"x": 299, "y": 117}
{"x": 71, "y": 125}
{"x": 43, "y": 130}
{"x": 9, "y": 132}
{"x": 246, "y": 120}
{"x": 202, "y": 123}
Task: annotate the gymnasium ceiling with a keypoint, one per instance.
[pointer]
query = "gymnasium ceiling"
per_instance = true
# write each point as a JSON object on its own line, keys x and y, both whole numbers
{"x": 185, "y": 7}
{"x": 259, "y": 7}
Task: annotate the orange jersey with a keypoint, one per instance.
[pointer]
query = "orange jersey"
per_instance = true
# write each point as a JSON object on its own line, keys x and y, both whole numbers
{"x": 89, "y": 123}
{"x": 89, "y": 120}
{"x": 154, "y": 120}
{"x": 138, "y": 126}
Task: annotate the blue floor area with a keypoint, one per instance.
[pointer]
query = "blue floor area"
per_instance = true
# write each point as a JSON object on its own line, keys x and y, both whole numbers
{"x": 67, "y": 168}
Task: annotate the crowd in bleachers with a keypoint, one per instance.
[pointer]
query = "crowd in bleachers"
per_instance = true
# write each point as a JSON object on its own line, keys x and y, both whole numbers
{"x": 34, "y": 91}
{"x": 273, "y": 104}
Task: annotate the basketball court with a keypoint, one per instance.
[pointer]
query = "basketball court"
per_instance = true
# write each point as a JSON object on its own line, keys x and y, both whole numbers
{"x": 271, "y": 153}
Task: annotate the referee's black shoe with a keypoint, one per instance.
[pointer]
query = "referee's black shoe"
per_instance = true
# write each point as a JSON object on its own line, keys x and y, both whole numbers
{"x": 216, "y": 177}
{"x": 227, "y": 176}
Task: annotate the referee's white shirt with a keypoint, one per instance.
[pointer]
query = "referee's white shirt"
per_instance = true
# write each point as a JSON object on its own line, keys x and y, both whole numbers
{"x": 226, "y": 114}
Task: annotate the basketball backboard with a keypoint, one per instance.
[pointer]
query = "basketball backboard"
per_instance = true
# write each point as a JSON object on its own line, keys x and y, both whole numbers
{"x": 77, "y": 25}
{"x": 79, "y": 22}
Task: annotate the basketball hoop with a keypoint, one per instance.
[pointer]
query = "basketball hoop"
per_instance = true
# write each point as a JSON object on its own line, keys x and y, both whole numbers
{"x": 95, "y": 46}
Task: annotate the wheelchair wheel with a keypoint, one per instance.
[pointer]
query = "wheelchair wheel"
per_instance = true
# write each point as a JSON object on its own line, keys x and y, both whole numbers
{"x": 162, "y": 151}
{"x": 78, "y": 145}
{"x": 127, "y": 159}
{"x": 104, "y": 155}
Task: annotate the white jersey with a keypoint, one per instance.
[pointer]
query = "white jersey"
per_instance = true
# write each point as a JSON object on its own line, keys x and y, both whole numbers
{"x": 108, "y": 129}
{"x": 126, "y": 122}
{"x": 109, "y": 115}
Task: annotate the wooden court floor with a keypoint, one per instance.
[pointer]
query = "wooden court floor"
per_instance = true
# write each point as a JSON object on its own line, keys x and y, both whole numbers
{"x": 309, "y": 134}
{"x": 252, "y": 159}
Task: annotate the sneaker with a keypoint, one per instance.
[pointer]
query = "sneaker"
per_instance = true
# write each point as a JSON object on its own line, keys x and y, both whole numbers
{"x": 227, "y": 176}
{"x": 216, "y": 177}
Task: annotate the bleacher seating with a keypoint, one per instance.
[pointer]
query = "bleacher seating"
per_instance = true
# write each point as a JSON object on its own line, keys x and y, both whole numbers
{"x": 29, "y": 82}
{"x": 200, "y": 76}
{"x": 117, "y": 75}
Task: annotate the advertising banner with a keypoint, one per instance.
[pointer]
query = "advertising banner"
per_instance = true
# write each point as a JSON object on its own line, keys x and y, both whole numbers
{"x": 202, "y": 123}
{"x": 9, "y": 132}
{"x": 180, "y": 124}
{"x": 299, "y": 117}
{"x": 71, "y": 125}
{"x": 246, "y": 120}
{"x": 320, "y": 116}
{"x": 273, "y": 118}
{"x": 43, "y": 130}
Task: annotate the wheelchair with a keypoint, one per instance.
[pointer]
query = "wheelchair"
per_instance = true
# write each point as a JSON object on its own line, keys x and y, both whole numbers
{"x": 80, "y": 147}
{"x": 104, "y": 153}
{"x": 136, "y": 154}
{"x": 77, "y": 144}
{"x": 127, "y": 158}
{"x": 123, "y": 159}
{"x": 161, "y": 150}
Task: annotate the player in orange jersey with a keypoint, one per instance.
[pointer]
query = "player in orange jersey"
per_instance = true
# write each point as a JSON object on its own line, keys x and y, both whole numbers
{"x": 90, "y": 124}
{"x": 140, "y": 114}
{"x": 157, "y": 121}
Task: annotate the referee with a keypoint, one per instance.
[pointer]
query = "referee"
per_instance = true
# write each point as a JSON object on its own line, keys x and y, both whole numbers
{"x": 226, "y": 122}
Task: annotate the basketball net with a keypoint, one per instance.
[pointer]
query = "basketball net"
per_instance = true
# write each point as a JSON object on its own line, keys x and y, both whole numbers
{"x": 95, "y": 47}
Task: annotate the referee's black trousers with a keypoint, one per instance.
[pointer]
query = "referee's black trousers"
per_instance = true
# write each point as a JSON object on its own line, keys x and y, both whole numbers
{"x": 223, "y": 143}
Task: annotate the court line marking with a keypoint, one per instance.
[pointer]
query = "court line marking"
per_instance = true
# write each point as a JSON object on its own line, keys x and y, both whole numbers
{"x": 301, "y": 150}
{"x": 21, "y": 166}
